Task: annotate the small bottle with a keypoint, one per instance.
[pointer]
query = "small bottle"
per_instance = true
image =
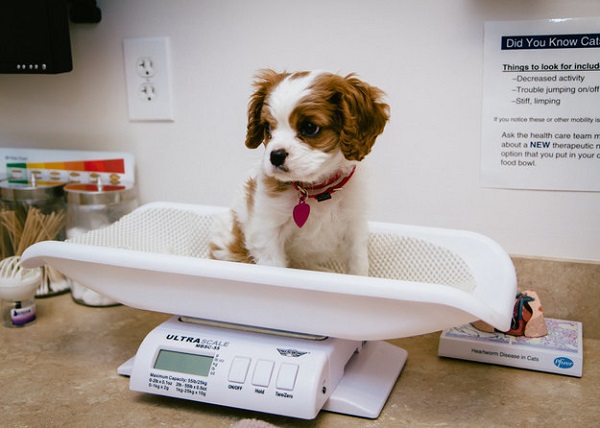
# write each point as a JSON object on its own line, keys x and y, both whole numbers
{"x": 18, "y": 313}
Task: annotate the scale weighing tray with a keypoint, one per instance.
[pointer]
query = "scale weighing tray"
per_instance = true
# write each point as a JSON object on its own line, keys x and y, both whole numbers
{"x": 421, "y": 280}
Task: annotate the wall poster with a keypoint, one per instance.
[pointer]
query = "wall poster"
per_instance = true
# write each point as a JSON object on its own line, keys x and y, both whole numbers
{"x": 541, "y": 105}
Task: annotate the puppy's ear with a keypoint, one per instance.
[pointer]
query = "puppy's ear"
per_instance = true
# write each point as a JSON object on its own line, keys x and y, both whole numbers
{"x": 265, "y": 81}
{"x": 364, "y": 115}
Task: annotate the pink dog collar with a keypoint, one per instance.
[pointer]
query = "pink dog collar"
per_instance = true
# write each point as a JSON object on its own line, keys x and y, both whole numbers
{"x": 302, "y": 210}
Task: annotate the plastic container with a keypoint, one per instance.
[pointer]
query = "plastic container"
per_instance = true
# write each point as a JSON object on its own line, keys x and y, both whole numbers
{"x": 90, "y": 207}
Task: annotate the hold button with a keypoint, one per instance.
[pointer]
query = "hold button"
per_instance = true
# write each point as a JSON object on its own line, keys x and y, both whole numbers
{"x": 262, "y": 373}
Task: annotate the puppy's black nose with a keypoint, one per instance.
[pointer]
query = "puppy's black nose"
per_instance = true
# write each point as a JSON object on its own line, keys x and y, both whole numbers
{"x": 278, "y": 157}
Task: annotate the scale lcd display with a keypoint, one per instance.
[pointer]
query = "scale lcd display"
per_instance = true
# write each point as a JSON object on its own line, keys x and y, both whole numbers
{"x": 183, "y": 362}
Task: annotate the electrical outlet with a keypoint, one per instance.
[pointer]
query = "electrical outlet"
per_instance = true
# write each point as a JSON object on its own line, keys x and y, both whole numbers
{"x": 147, "y": 70}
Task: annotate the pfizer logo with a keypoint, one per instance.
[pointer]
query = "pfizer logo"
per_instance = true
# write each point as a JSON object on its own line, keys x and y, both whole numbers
{"x": 563, "y": 362}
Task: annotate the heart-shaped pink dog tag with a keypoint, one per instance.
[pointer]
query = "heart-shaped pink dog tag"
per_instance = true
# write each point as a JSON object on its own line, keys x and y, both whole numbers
{"x": 301, "y": 213}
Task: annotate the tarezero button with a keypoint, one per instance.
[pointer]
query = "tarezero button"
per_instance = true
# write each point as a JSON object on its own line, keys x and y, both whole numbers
{"x": 239, "y": 370}
{"x": 286, "y": 379}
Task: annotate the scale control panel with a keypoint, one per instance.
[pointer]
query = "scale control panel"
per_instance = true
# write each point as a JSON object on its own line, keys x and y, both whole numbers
{"x": 257, "y": 371}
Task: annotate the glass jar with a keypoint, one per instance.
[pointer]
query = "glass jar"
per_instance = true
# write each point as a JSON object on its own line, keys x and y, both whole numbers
{"x": 29, "y": 213}
{"x": 93, "y": 206}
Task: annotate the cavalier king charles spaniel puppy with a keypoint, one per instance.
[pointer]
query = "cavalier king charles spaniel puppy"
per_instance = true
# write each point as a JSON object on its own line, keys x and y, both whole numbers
{"x": 305, "y": 206}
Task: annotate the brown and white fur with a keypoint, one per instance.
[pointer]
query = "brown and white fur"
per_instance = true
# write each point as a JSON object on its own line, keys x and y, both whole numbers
{"x": 314, "y": 126}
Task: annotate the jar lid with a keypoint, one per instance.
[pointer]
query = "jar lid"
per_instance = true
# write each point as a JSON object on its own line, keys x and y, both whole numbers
{"x": 30, "y": 191}
{"x": 94, "y": 194}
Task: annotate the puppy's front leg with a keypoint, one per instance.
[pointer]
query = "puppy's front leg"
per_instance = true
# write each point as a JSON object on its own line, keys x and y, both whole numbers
{"x": 357, "y": 260}
{"x": 266, "y": 245}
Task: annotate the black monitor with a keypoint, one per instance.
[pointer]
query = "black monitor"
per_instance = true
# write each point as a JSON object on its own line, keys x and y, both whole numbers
{"x": 34, "y": 37}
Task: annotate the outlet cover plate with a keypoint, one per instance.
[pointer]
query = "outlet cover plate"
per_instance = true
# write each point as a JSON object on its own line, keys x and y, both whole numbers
{"x": 148, "y": 74}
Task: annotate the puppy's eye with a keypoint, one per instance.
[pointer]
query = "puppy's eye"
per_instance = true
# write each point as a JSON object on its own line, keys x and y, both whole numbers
{"x": 267, "y": 128}
{"x": 309, "y": 129}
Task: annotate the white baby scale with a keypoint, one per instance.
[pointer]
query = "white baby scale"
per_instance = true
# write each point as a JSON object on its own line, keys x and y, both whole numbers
{"x": 230, "y": 341}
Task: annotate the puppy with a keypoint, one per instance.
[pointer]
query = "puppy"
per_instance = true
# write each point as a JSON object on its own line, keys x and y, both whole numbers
{"x": 305, "y": 206}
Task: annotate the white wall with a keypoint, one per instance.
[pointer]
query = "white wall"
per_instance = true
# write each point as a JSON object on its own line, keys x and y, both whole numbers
{"x": 426, "y": 54}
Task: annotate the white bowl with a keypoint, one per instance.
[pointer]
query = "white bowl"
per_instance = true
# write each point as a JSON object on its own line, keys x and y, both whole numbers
{"x": 17, "y": 283}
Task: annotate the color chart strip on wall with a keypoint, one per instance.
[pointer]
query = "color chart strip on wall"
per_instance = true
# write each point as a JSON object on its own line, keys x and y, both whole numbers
{"x": 107, "y": 165}
{"x": 19, "y": 172}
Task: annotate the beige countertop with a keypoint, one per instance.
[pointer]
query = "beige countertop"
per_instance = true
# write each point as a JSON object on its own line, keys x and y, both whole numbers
{"x": 62, "y": 371}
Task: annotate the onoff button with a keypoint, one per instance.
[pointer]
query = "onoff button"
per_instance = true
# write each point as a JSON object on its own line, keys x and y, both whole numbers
{"x": 239, "y": 370}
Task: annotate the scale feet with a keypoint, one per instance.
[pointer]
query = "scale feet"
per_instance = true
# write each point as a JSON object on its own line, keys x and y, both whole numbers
{"x": 368, "y": 380}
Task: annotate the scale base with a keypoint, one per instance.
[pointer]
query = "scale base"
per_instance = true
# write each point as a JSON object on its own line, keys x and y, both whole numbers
{"x": 366, "y": 385}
